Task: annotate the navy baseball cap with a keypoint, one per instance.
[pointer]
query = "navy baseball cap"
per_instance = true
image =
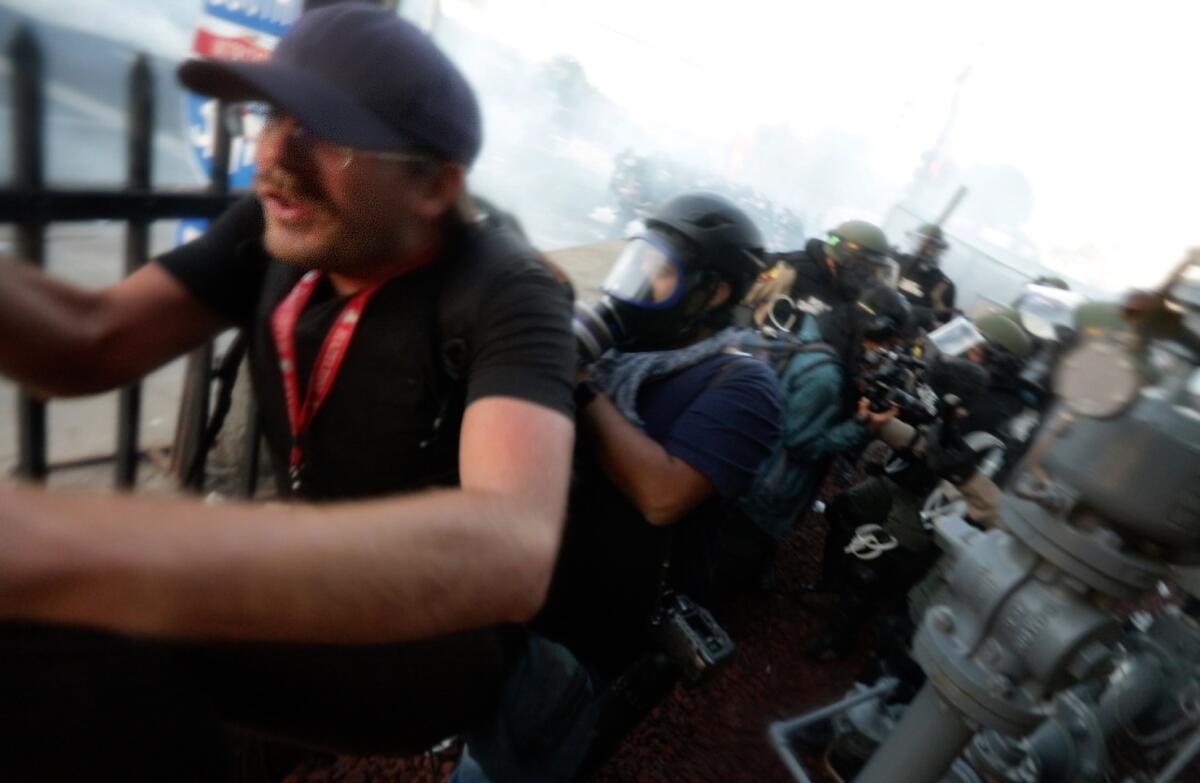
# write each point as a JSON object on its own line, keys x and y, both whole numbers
{"x": 360, "y": 76}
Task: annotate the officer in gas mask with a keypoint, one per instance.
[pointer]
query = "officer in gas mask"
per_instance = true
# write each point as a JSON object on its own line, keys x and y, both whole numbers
{"x": 1003, "y": 351}
{"x": 922, "y": 281}
{"x": 826, "y": 273}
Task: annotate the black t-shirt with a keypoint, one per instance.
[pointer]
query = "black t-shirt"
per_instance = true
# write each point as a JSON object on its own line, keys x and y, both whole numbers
{"x": 927, "y": 289}
{"x": 391, "y": 420}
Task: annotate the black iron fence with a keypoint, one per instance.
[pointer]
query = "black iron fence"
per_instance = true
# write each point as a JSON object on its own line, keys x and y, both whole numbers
{"x": 30, "y": 206}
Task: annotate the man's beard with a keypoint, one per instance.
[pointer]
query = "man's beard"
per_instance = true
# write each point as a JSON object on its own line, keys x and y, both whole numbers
{"x": 280, "y": 240}
{"x": 339, "y": 244}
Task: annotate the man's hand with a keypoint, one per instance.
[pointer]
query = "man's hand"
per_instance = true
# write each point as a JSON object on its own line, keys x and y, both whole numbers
{"x": 771, "y": 283}
{"x": 952, "y": 460}
{"x": 874, "y": 420}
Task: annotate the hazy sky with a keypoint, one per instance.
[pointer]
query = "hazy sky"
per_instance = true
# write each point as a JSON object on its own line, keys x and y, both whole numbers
{"x": 1096, "y": 102}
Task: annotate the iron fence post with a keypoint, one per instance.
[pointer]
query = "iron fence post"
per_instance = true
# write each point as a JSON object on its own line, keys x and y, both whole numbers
{"x": 137, "y": 250}
{"x": 193, "y": 407}
{"x": 28, "y": 165}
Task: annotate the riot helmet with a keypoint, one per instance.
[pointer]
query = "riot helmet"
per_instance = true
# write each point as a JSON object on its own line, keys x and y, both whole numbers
{"x": 1051, "y": 281}
{"x": 1097, "y": 319}
{"x": 994, "y": 338}
{"x": 883, "y": 314}
{"x": 1001, "y": 333}
{"x": 661, "y": 286}
{"x": 861, "y": 254}
{"x": 930, "y": 244}
{"x": 1005, "y": 349}
{"x": 963, "y": 378}
{"x": 1042, "y": 309}
{"x": 879, "y": 314}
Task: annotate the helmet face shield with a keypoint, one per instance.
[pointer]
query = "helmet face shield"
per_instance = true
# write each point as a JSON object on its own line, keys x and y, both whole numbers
{"x": 956, "y": 337}
{"x": 862, "y": 267}
{"x": 928, "y": 242}
{"x": 882, "y": 270}
{"x": 647, "y": 274}
{"x": 1044, "y": 308}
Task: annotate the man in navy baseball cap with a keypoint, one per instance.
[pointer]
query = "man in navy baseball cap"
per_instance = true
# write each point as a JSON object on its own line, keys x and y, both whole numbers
{"x": 413, "y": 373}
{"x": 368, "y": 133}
{"x": 359, "y": 76}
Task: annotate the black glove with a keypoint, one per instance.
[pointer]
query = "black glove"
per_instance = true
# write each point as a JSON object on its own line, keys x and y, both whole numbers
{"x": 948, "y": 455}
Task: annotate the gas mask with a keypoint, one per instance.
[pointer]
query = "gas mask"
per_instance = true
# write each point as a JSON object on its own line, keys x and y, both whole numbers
{"x": 859, "y": 268}
{"x": 652, "y": 300}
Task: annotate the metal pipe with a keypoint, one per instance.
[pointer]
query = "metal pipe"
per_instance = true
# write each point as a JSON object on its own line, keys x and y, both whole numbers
{"x": 923, "y": 745}
{"x": 1189, "y": 751}
{"x": 955, "y": 200}
{"x": 248, "y": 471}
{"x": 193, "y": 407}
{"x": 779, "y": 731}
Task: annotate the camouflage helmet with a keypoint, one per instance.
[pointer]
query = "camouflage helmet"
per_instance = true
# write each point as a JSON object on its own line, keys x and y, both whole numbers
{"x": 860, "y": 250}
{"x": 1094, "y": 319}
{"x": 867, "y": 236}
{"x": 1011, "y": 313}
{"x": 932, "y": 234}
{"x": 1050, "y": 281}
{"x": 1002, "y": 332}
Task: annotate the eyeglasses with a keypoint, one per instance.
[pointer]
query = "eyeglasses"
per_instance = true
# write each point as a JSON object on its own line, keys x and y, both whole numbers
{"x": 274, "y": 123}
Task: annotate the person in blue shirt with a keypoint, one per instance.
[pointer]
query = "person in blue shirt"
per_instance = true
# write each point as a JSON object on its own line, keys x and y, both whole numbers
{"x": 674, "y": 423}
{"x": 822, "y": 413}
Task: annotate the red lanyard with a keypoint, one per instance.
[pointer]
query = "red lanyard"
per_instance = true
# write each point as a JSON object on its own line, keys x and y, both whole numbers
{"x": 325, "y": 368}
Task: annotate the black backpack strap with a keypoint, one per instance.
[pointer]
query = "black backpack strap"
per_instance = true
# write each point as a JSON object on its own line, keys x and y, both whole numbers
{"x": 460, "y": 293}
{"x": 463, "y": 287}
{"x": 726, "y": 369}
{"x": 226, "y": 375}
{"x": 819, "y": 347}
{"x": 830, "y": 355}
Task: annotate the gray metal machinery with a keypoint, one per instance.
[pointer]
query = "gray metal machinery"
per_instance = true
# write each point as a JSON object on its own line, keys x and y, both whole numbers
{"x": 1031, "y": 675}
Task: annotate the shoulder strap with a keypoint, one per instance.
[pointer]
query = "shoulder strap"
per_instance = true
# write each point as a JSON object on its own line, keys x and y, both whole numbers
{"x": 736, "y": 360}
{"x": 459, "y": 293}
{"x": 225, "y": 373}
{"x": 459, "y": 297}
{"x": 462, "y": 288}
{"x": 464, "y": 285}
{"x": 828, "y": 353}
{"x": 820, "y": 347}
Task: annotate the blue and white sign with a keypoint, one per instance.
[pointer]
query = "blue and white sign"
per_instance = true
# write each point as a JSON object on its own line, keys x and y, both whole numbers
{"x": 233, "y": 30}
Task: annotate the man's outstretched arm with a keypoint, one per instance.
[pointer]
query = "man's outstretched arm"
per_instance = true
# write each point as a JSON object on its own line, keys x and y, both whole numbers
{"x": 60, "y": 339}
{"x": 369, "y": 571}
